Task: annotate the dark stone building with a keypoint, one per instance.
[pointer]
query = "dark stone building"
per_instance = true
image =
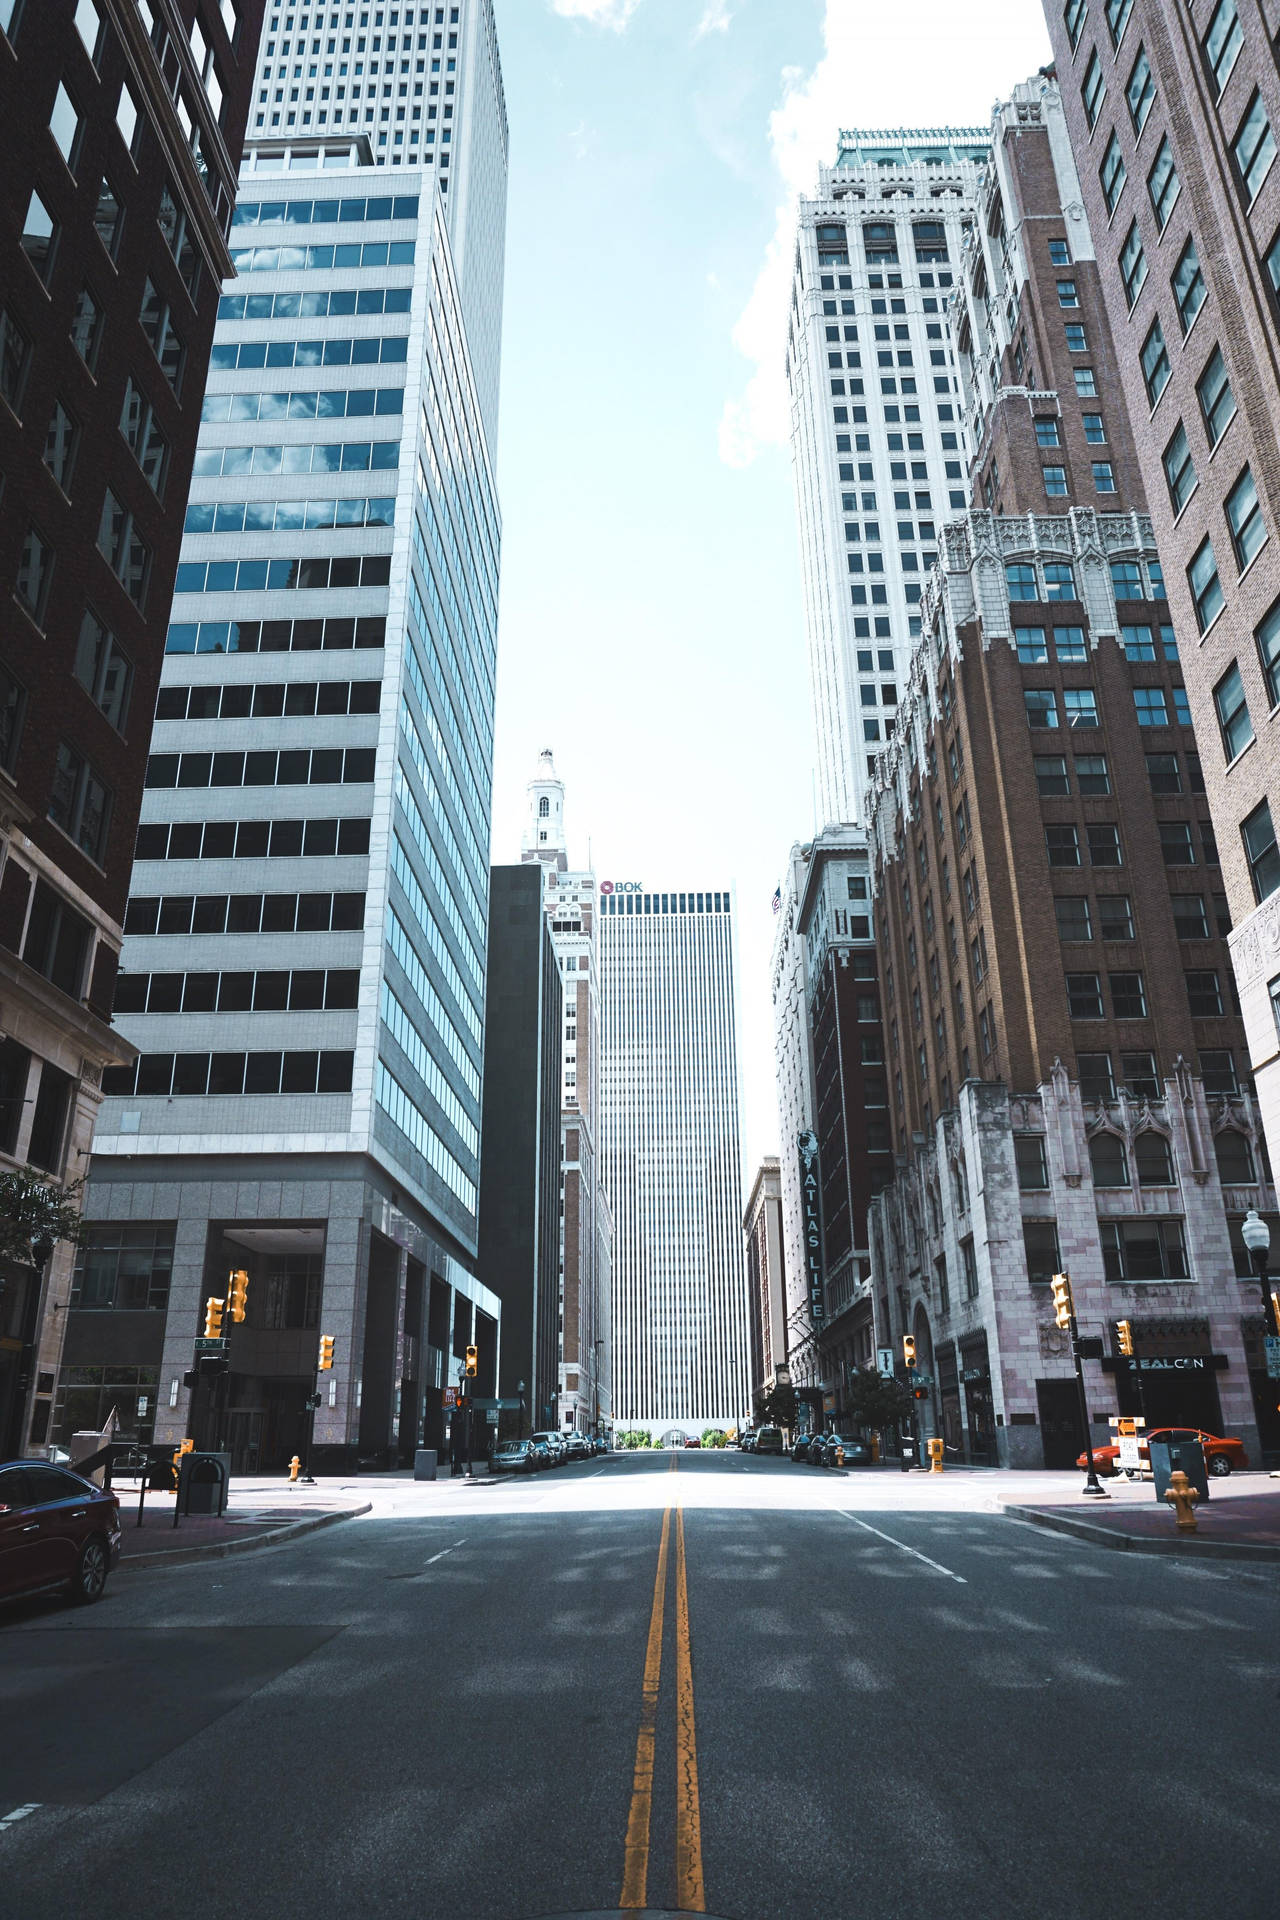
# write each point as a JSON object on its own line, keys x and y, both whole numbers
{"x": 1174, "y": 118}
{"x": 121, "y": 128}
{"x": 520, "y": 1154}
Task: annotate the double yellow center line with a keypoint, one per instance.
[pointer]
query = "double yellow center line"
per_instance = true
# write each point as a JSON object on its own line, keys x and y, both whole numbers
{"x": 690, "y": 1897}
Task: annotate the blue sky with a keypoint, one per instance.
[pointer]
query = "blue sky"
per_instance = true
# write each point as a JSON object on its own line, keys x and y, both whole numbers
{"x": 652, "y": 622}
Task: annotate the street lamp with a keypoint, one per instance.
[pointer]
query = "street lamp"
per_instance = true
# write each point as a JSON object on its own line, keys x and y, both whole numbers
{"x": 1256, "y": 1235}
{"x": 520, "y": 1391}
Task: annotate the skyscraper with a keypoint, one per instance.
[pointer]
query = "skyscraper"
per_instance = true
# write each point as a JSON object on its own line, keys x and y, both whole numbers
{"x": 586, "y": 1228}
{"x": 120, "y": 135}
{"x": 877, "y": 440}
{"x": 671, "y": 1157}
{"x": 307, "y": 928}
{"x": 1174, "y": 115}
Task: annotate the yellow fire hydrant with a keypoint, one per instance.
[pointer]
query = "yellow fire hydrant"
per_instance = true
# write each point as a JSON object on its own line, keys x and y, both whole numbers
{"x": 1182, "y": 1496}
{"x": 295, "y": 1468}
{"x": 935, "y": 1455}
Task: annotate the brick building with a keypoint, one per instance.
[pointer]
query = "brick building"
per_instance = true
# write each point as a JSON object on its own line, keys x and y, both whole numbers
{"x": 766, "y": 1278}
{"x": 1173, "y": 115}
{"x": 121, "y": 127}
{"x": 1066, "y": 1063}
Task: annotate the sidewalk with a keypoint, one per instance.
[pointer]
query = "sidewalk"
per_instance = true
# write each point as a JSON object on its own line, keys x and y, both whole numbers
{"x": 259, "y": 1514}
{"x": 1239, "y": 1521}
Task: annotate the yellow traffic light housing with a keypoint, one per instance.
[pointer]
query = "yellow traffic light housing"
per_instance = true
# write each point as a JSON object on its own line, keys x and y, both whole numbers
{"x": 213, "y": 1310}
{"x": 325, "y": 1362}
{"x": 239, "y": 1294}
{"x": 909, "y": 1349}
{"x": 1124, "y": 1336}
{"x": 1063, "y": 1304}
{"x": 473, "y": 1358}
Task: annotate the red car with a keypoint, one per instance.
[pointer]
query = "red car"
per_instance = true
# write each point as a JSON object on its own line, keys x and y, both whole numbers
{"x": 1220, "y": 1456}
{"x": 56, "y": 1530}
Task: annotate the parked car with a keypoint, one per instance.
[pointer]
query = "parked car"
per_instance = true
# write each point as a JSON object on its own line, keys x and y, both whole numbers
{"x": 516, "y": 1456}
{"x": 747, "y": 1441}
{"x": 56, "y": 1530}
{"x": 845, "y": 1450}
{"x": 601, "y": 1445}
{"x": 577, "y": 1446}
{"x": 1221, "y": 1457}
{"x": 801, "y": 1444}
{"x": 768, "y": 1440}
{"x": 548, "y": 1445}
{"x": 693, "y": 1441}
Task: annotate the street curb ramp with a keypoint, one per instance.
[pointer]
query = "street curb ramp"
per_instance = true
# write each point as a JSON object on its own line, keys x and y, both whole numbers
{"x": 1190, "y": 1546}
{"x": 219, "y": 1549}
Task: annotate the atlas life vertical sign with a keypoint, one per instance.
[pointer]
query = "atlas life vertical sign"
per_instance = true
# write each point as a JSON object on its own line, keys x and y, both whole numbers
{"x": 811, "y": 1220}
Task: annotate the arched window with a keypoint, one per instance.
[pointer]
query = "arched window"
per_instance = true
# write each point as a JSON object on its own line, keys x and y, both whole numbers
{"x": 544, "y": 807}
{"x": 1235, "y": 1161}
{"x": 1151, "y": 1157}
{"x": 1110, "y": 1165}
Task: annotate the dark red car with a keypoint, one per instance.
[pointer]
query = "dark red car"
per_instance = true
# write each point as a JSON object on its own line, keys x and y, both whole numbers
{"x": 56, "y": 1530}
{"x": 1220, "y": 1456}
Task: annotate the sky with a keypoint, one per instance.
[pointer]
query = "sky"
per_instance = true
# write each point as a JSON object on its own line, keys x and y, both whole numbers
{"x": 651, "y": 630}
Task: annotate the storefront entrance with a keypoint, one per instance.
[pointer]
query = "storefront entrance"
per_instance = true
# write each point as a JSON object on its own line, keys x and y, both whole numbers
{"x": 1061, "y": 1434}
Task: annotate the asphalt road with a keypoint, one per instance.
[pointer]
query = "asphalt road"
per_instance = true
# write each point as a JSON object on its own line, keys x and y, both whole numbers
{"x": 723, "y": 1685}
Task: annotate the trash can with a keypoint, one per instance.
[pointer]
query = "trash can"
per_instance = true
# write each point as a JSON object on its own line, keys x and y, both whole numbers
{"x": 1167, "y": 1456}
{"x": 204, "y": 1483}
{"x": 908, "y": 1452}
{"x": 424, "y": 1463}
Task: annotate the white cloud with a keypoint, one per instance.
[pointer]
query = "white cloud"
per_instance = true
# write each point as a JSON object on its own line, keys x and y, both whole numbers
{"x": 715, "y": 19}
{"x": 601, "y": 13}
{"x": 928, "y": 63}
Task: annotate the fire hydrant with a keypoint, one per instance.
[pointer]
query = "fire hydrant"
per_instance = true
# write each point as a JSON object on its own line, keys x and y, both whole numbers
{"x": 295, "y": 1468}
{"x": 1183, "y": 1496}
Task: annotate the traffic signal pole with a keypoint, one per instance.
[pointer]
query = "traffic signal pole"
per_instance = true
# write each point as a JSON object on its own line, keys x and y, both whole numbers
{"x": 1065, "y": 1315}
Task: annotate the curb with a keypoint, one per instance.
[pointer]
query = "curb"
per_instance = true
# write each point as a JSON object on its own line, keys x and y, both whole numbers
{"x": 219, "y": 1549}
{"x": 1191, "y": 1545}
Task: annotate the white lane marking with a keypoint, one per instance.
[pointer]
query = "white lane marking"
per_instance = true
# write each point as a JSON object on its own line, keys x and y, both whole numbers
{"x": 19, "y": 1813}
{"x": 958, "y": 1577}
{"x": 440, "y": 1556}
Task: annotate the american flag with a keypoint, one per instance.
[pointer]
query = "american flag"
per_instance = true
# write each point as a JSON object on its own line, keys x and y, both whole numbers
{"x": 777, "y": 900}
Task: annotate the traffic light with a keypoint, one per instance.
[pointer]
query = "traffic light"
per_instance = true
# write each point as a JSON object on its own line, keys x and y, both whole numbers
{"x": 1124, "y": 1336}
{"x": 213, "y": 1318}
{"x": 473, "y": 1357}
{"x": 1063, "y": 1305}
{"x": 239, "y": 1293}
{"x": 909, "y": 1349}
{"x": 325, "y": 1363}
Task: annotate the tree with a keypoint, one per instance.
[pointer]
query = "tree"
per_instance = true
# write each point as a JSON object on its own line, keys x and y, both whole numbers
{"x": 34, "y": 1215}
{"x": 779, "y": 1407}
{"x": 715, "y": 1437}
{"x": 874, "y": 1401}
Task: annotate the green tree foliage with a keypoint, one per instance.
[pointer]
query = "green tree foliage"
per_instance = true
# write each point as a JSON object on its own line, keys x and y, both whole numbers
{"x": 778, "y": 1407}
{"x": 34, "y": 1215}
{"x": 874, "y": 1402}
{"x": 715, "y": 1437}
{"x": 633, "y": 1439}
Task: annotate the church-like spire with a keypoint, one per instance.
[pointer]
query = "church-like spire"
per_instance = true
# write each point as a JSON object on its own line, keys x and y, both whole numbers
{"x": 544, "y": 825}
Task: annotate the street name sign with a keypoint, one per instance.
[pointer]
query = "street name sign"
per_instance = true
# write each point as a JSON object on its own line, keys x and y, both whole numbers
{"x": 221, "y": 1345}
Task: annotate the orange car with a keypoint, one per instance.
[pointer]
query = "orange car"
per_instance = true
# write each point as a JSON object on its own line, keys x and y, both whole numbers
{"x": 1220, "y": 1456}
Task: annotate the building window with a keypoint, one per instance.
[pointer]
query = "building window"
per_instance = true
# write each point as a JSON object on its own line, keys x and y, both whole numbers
{"x": 1047, "y": 434}
{"x": 80, "y": 802}
{"x": 1041, "y": 705}
{"x": 62, "y": 437}
{"x": 1104, "y": 844}
{"x": 1080, "y": 707}
{"x": 1084, "y": 996}
{"x": 1190, "y": 920}
{"x": 13, "y": 703}
{"x": 1145, "y": 1249}
{"x": 1097, "y": 1081}
{"x": 1217, "y": 402}
{"x": 1109, "y": 1161}
{"x": 1092, "y": 774}
{"x": 1233, "y": 712}
{"x": 123, "y": 1270}
{"x": 143, "y": 437}
{"x": 1063, "y": 846}
{"x": 1163, "y": 185}
{"x": 1267, "y": 637}
{"x": 1206, "y": 588}
{"x": 1139, "y": 646}
{"x": 64, "y": 125}
{"x": 1163, "y": 773}
{"x": 1179, "y": 472}
{"x": 1176, "y": 844}
{"x": 1068, "y": 295}
{"x": 1244, "y": 518}
{"x": 1104, "y": 479}
{"x": 1094, "y": 431}
{"x": 1218, "y": 1070}
{"x": 124, "y": 549}
{"x": 1155, "y": 363}
{"x": 1055, "y": 482}
{"x": 35, "y": 571}
{"x": 1073, "y": 15}
{"x": 1259, "y": 836}
{"x": 1133, "y": 264}
{"x": 1118, "y": 12}
{"x": 1093, "y": 90}
{"x": 1204, "y": 993}
{"x": 15, "y": 357}
{"x": 57, "y": 942}
{"x": 1115, "y": 916}
{"x": 1254, "y": 148}
{"x": 1051, "y": 774}
{"x": 1222, "y": 43}
{"x": 1040, "y": 1242}
{"x": 108, "y": 216}
{"x": 1128, "y": 996}
{"x": 1074, "y": 920}
{"x": 86, "y": 328}
{"x": 1059, "y": 581}
{"x": 1112, "y": 173}
{"x": 47, "y": 1145}
{"x": 1188, "y": 286}
{"x": 968, "y": 1261}
{"x": 1032, "y": 648}
{"x": 1235, "y": 1159}
{"x": 1140, "y": 91}
{"x": 1086, "y": 383}
{"x": 39, "y": 237}
{"x": 1153, "y": 1160}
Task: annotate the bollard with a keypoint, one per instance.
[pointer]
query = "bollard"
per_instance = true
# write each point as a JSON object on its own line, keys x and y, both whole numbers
{"x": 295, "y": 1468}
{"x": 1182, "y": 1496}
{"x": 935, "y": 1456}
